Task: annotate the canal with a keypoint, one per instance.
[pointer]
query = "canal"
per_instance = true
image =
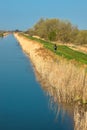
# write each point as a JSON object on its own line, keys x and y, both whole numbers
{"x": 24, "y": 105}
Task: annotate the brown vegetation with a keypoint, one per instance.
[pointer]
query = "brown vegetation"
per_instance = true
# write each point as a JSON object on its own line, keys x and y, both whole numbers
{"x": 77, "y": 111}
{"x": 80, "y": 118}
{"x": 68, "y": 79}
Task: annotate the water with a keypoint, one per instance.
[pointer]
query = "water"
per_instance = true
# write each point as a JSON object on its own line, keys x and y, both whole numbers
{"x": 23, "y": 103}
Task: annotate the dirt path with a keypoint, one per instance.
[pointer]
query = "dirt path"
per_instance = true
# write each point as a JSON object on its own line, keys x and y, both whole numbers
{"x": 78, "y": 48}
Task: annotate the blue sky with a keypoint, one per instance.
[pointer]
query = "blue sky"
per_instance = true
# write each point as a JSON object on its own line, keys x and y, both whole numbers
{"x": 23, "y": 14}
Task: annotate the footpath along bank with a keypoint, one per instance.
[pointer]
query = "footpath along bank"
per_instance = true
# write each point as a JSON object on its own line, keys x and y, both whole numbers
{"x": 65, "y": 78}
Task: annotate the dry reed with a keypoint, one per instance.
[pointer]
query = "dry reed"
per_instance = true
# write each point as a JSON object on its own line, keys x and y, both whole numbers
{"x": 67, "y": 79}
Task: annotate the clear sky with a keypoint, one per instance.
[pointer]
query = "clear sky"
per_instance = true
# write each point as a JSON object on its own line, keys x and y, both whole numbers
{"x": 23, "y": 14}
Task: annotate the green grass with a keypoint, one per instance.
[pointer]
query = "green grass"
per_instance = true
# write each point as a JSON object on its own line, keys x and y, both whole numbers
{"x": 63, "y": 51}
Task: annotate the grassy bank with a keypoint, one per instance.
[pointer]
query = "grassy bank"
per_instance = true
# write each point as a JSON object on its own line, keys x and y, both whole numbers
{"x": 63, "y": 51}
{"x": 66, "y": 79}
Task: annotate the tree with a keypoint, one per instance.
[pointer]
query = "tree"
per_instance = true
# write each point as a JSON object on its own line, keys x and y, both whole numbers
{"x": 82, "y": 37}
{"x": 58, "y": 30}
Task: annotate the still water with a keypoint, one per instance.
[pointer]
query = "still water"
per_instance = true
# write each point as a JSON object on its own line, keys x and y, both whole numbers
{"x": 23, "y": 103}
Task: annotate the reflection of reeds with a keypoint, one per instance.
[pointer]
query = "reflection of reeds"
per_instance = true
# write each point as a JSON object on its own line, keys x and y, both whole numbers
{"x": 80, "y": 112}
{"x": 80, "y": 118}
{"x": 66, "y": 79}
{"x": 69, "y": 80}
{"x": 63, "y": 80}
{"x": 54, "y": 105}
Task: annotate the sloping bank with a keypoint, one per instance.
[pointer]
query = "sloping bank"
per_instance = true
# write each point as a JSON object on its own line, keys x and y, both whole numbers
{"x": 67, "y": 79}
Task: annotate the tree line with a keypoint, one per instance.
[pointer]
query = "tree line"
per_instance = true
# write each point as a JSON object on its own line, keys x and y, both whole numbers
{"x": 1, "y": 33}
{"x": 58, "y": 30}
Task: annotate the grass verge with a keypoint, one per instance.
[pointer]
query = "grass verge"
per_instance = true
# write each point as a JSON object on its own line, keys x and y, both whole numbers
{"x": 63, "y": 51}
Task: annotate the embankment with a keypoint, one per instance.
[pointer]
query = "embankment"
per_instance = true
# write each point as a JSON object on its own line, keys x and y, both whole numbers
{"x": 67, "y": 79}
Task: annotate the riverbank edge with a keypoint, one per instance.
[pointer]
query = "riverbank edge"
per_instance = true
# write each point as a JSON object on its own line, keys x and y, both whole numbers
{"x": 67, "y": 80}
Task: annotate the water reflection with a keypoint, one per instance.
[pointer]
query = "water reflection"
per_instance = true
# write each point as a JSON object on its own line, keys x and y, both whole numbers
{"x": 77, "y": 112}
{"x": 23, "y": 104}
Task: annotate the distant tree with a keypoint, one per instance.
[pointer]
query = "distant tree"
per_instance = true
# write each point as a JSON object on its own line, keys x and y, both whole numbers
{"x": 82, "y": 37}
{"x": 1, "y": 34}
{"x": 17, "y": 30}
{"x": 30, "y": 32}
{"x": 58, "y": 30}
{"x": 52, "y": 36}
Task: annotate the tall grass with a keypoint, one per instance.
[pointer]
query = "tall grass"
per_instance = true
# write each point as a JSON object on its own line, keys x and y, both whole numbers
{"x": 66, "y": 79}
{"x": 80, "y": 118}
{"x": 77, "y": 111}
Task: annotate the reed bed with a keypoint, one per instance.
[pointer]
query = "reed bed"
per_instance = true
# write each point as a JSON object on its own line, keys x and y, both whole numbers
{"x": 66, "y": 78}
